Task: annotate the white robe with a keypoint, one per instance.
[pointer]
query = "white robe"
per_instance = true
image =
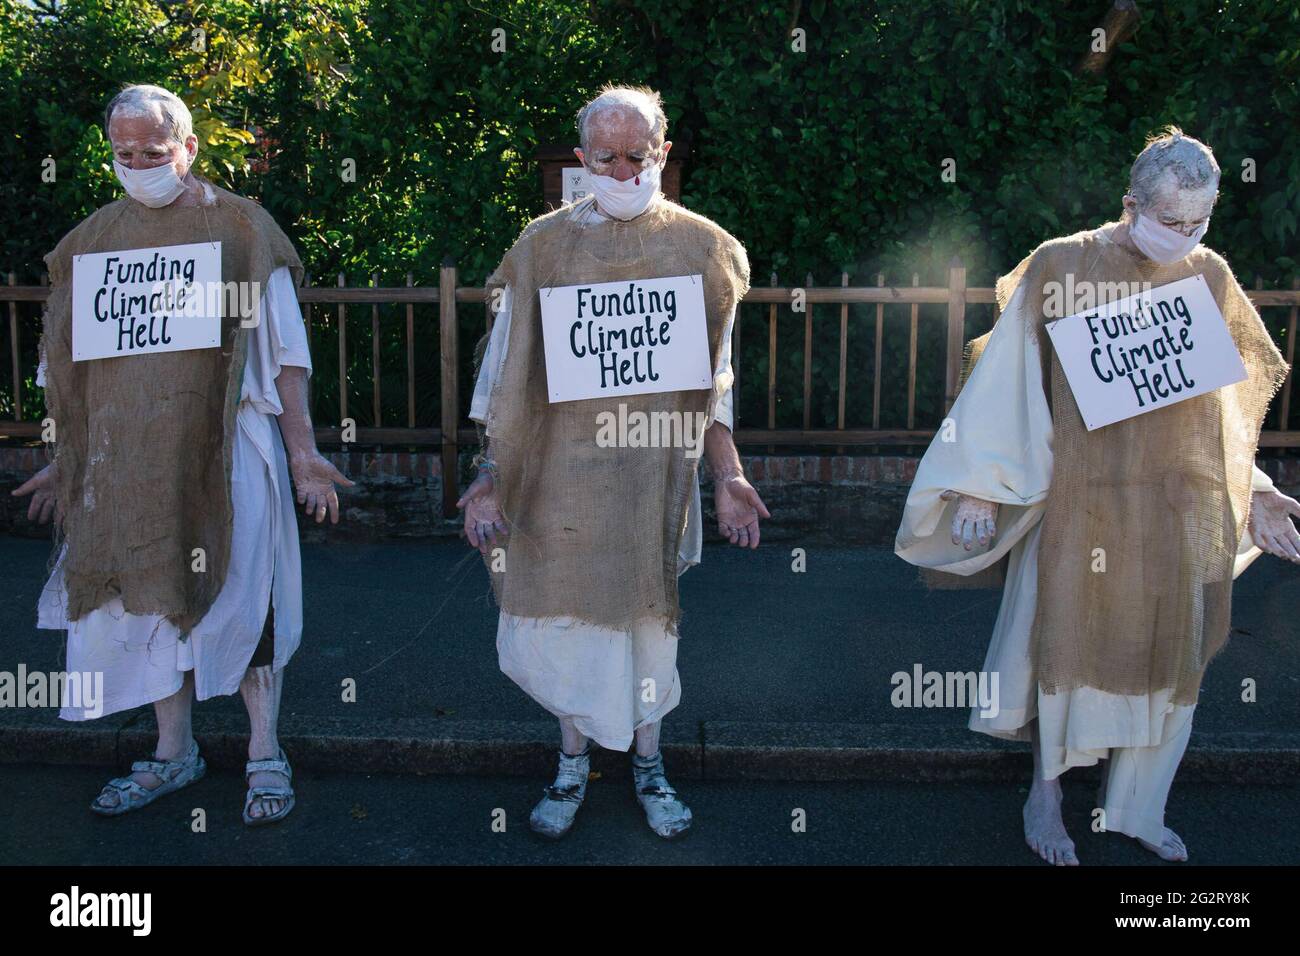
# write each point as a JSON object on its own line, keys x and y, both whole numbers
{"x": 139, "y": 654}
{"x": 1002, "y": 452}
{"x": 607, "y": 682}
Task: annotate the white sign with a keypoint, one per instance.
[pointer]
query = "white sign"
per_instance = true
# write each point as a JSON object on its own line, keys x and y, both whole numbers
{"x": 1146, "y": 351}
{"x": 138, "y": 301}
{"x": 625, "y": 338}
{"x": 574, "y": 183}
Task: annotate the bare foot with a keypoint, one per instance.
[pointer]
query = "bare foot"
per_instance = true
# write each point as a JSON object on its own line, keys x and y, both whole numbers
{"x": 1044, "y": 828}
{"x": 1171, "y": 848}
{"x": 266, "y": 806}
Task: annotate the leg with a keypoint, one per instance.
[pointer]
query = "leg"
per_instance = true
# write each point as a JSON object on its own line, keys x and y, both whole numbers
{"x": 665, "y": 813}
{"x": 572, "y": 740}
{"x": 1137, "y": 788}
{"x": 1044, "y": 828}
{"x": 554, "y": 814}
{"x": 175, "y": 738}
{"x": 647, "y": 739}
{"x": 261, "y": 689}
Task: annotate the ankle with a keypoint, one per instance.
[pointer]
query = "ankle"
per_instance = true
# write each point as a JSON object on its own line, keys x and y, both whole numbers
{"x": 1045, "y": 789}
{"x": 266, "y": 748}
{"x": 174, "y": 748}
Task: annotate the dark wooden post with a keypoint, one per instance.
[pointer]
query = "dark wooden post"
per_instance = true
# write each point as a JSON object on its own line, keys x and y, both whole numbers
{"x": 450, "y": 386}
{"x": 956, "y": 330}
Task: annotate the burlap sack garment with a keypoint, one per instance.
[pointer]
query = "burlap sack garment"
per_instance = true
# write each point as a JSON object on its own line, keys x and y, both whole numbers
{"x": 143, "y": 442}
{"x": 1164, "y": 495}
{"x": 594, "y": 532}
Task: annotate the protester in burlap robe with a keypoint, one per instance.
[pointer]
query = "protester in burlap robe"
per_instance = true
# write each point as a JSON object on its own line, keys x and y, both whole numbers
{"x": 1096, "y": 665}
{"x": 170, "y": 483}
{"x": 587, "y": 585}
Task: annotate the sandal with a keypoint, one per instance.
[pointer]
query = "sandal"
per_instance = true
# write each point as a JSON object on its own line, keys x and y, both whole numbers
{"x": 278, "y": 765}
{"x": 131, "y": 795}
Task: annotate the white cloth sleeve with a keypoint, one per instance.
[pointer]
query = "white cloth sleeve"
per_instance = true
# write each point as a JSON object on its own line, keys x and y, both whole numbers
{"x": 278, "y": 339}
{"x": 1259, "y": 480}
{"x": 493, "y": 359}
{"x": 724, "y": 413}
{"x": 995, "y": 444}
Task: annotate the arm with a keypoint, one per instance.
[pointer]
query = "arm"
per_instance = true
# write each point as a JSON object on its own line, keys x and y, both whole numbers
{"x": 44, "y": 501}
{"x": 314, "y": 477}
{"x": 1270, "y": 523}
{"x": 484, "y": 521}
{"x": 738, "y": 505}
{"x": 989, "y": 468}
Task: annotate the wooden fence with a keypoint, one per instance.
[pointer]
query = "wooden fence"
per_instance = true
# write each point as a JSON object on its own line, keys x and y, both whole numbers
{"x": 453, "y": 431}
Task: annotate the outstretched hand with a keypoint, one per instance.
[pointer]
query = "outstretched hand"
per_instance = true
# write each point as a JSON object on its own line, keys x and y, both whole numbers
{"x": 974, "y": 520}
{"x": 314, "y": 479}
{"x": 484, "y": 521}
{"x": 739, "y": 508}
{"x": 1270, "y": 524}
{"x": 44, "y": 502}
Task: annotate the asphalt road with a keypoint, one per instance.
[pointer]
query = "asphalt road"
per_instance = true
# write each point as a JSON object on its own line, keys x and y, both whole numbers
{"x": 414, "y": 625}
{"x": 407, "y": 819}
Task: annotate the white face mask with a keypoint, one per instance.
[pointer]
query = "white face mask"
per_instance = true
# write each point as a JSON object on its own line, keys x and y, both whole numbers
{"x": 1157, "y": 241}
{"x": 628, "y": 199}
{"x": 155, "y": 188}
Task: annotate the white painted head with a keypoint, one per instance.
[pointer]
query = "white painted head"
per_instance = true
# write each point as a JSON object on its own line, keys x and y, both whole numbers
{"x": 622, "y": 132}
{"x": 154, "y": 146}
{"x": 1174, "y": 181}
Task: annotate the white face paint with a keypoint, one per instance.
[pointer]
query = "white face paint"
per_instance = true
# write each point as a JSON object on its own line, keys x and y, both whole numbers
{"x": 624, "y": 161}
{"x": 149, "y": 164}
{"x": 1183, "y": 210}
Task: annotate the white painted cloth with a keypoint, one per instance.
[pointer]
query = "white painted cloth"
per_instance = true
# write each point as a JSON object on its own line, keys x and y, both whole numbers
{"x": 608, "y": 682}
{"x": 1002, "y": 452}
{"x": 139, "y": 654}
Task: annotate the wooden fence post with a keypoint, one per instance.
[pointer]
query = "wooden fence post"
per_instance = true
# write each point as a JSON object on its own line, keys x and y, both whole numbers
{"x": 14, "y": 353}
{"x": 807, "y": 354}
{"x": 306, "y": 322}
{"x": 410, "y": 356}
{"x": 956, "y": 330}
{"x": 376, "y": 409}
{"x": 450, "y": 386}
{"x": 343, "y": 356}
{"x": 1284, "y": 411}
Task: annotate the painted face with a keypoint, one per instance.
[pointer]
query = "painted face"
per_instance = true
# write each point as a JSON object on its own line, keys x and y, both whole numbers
{"x": 141, "y": 142}
{"x": 619, "y": 145}
{"x": 1183, "y": 210}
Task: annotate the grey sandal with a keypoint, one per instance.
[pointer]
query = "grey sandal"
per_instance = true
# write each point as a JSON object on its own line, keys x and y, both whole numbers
{"x": 270, "y": 765}
{"x": 174, "y": 774}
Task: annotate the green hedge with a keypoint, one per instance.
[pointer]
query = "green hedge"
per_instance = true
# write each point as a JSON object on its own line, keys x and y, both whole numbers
{"x": 821, "y": 161}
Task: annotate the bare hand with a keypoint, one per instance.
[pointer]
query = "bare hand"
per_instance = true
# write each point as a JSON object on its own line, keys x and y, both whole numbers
{"x": 1270, "y": 524}
{"x": 314, "y": 478}
{"x": 484, "y": 521}
{"x": 974, "y": 520}
{"x": 44, "y": 502}
{"x": 739, "y": 508}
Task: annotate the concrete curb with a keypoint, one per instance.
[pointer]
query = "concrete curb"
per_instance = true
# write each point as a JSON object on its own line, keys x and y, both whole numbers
{"x": 722, "y": 750}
